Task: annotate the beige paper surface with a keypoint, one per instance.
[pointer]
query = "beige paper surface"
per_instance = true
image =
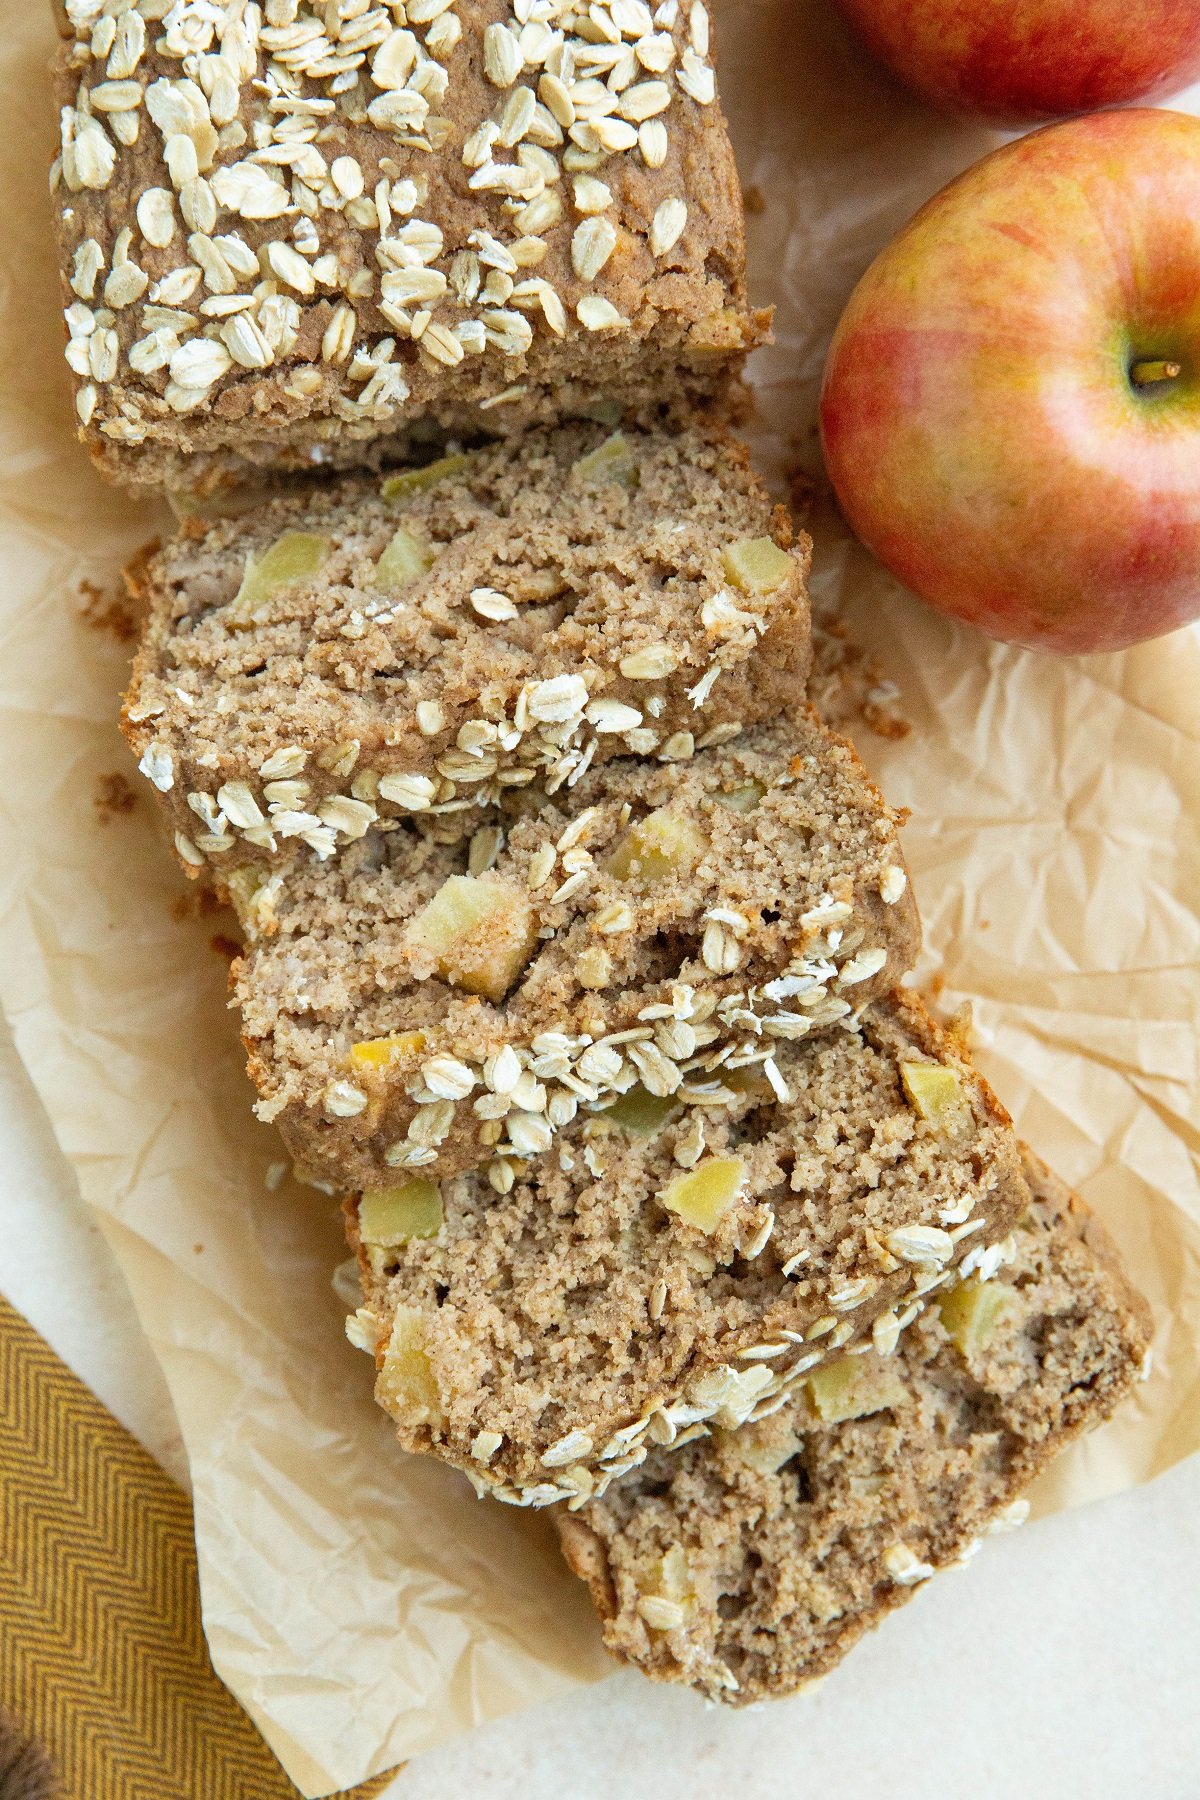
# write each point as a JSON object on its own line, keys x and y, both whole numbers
{"x": 361, "y": 1604}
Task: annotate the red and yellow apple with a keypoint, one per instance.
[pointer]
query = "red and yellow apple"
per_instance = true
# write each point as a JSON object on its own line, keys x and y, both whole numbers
{"x": 1034, "y": 59}
{"x": 1011, "y": 405}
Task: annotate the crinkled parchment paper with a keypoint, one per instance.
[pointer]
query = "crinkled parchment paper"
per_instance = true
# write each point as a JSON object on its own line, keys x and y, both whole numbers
{"x": 362, "y": 1604}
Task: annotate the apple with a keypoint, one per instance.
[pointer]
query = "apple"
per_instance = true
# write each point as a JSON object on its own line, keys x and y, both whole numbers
{"x": 1010, "y": 411}
{"x": 1024, "y": 60}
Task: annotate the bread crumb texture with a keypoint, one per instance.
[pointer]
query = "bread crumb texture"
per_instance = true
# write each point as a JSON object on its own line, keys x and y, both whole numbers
{"x": 371, "y": 652}
{"x": 445, "y": 995}
{"x": 667, "y": 1271}
{"x": 749, "y": 1563}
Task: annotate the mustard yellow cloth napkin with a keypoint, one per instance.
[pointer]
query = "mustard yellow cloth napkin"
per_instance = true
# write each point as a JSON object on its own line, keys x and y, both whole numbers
{"x": 102, "y": 1653}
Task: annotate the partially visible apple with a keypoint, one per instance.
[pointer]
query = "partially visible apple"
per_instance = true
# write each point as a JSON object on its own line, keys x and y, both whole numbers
{"x": 1024, "y": 60}
{"x": 1011, "y": 406}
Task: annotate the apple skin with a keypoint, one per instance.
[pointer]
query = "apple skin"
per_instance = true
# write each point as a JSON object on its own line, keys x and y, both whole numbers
{"x": 1019, "y": 61}
{"x": 979, "y": 421}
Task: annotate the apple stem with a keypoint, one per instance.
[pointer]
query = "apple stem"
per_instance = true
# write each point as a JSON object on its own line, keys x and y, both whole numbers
{"x": 1149, "y": 370}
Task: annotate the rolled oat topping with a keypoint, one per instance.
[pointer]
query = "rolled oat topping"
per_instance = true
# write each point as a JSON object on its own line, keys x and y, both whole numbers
{"x": 345, "y": 210}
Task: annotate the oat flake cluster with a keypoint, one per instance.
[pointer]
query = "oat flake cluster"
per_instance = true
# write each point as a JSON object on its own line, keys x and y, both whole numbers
{"x": 260, "y": 211}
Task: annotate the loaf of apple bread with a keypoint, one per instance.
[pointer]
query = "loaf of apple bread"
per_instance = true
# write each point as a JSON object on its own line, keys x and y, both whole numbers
{"x": 311, "y": 235}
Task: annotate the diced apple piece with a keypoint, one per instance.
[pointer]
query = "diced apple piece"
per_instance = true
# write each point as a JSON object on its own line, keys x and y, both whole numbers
{"x": 937, "y": 1096}
{"x": 971, "y": 1312}
{"x": 742, "y": 799}
{"x": 393, "y": 1215}
{"x": 703, "y": 1195}
{"x": 593, "y": 968}
{"x": 415, "y": 481}
{"x": 241, "y": 885}
{"x": 612, "y": 460}
{"x": 757, "y": 565}
{"x": 640, "y": 1112}
{"x": 253, "y": 893}
{"x": 480, "y": 930}
{"x": 762, "y": 1447}
{"x": 406, "y": 1385}
{"x": 853, "y": 1387}
{"x": 382, "y": 1053}
{"x": 671, "y": 1601}
{"x": 717, "y": 333}
{"x": 659, "y": 845}
{"x": 405, "y": 560}
{"x": 295, "y": 557}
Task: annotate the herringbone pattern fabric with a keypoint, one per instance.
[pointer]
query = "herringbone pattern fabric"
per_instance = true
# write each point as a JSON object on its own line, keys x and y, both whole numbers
{"x": 102, "y": 1655}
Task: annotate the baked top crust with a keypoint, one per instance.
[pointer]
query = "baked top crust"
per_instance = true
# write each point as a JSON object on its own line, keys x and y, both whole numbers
{"x": 288, "y": 229}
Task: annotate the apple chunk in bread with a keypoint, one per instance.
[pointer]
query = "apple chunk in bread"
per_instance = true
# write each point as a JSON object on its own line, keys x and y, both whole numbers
{"x": 742, "y": 799}
{"x": 613, "y": 460}
{"x": 937, "y": 1096}
{"x": 410, "y": 482}
{"x": 671, "y": 1601}
{"x": 704, "y": 1195}
{"x": 393, "y": 1215}
{"x": 290, "y": 561}
{"x": 406, "y": 1386}
{"x": 387, "y": 1052}
{"x": 478, "y": 933}
{"x": 854, "y": 1387}
{"x": 971, "y": 1312}
{"x": 757, "y": 565}
{"x": 661, "y": 844}
{"x": 405, "y": 560}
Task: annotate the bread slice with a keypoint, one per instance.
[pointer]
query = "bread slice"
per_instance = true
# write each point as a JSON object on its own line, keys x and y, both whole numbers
{"x": 659, "y": 1274}
{"x": 420, "y": 1003}
{"x": 306, "y": 234}
{"x": 365, "y": 653}
{"x": 749, "y": 1563}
